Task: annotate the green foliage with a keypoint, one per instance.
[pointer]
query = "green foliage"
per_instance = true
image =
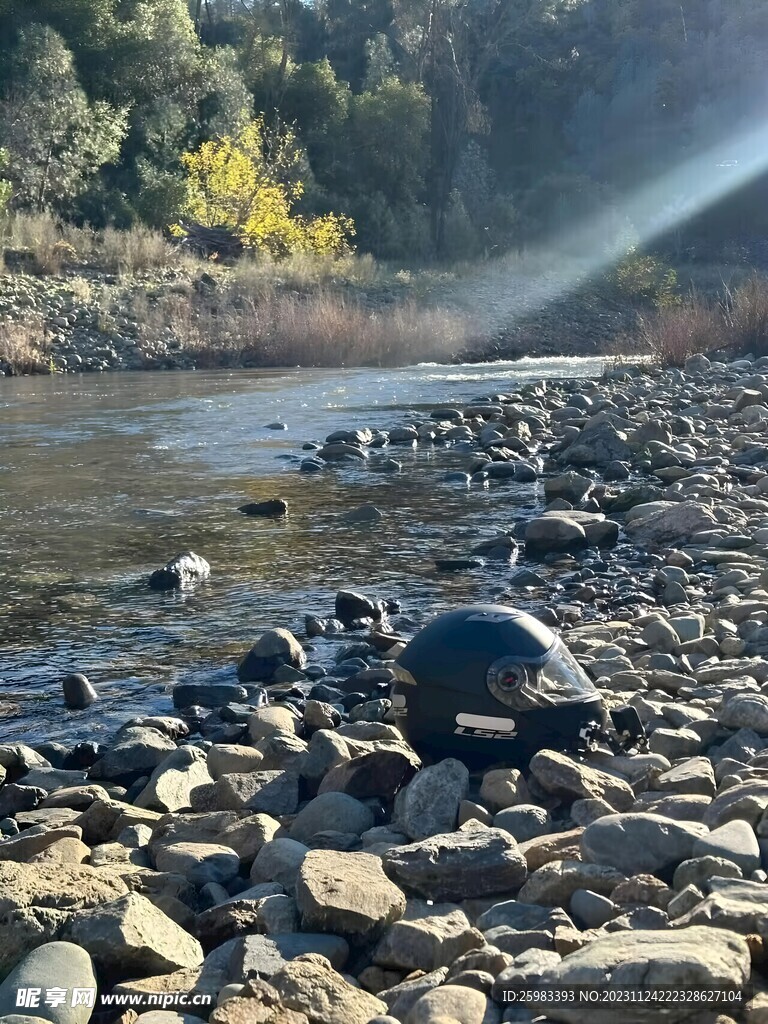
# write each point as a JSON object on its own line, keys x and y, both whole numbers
{"x": 56, "y": 138}
{"x": 642, "y": 277}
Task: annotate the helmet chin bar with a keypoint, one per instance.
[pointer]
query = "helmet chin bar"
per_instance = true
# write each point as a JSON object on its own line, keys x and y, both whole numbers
{"x": 629, "y": 738}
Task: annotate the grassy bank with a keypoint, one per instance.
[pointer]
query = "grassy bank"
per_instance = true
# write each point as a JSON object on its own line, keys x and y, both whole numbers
{"x": 74, "y": 299}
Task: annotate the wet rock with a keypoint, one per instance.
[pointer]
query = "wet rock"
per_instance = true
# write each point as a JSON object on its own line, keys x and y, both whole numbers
{"x": 138, "y": 752}
{"x": 274, "y": 508}
{"x": 316, "y": 989}
{"x": 554, "y": 534}
{"x": 561, "y": 775}
{"x": 78, "y": 692}
{"x": 273, "y": 649}
{"x": 53, "y": 965}
{"x": 571, "y": 487}
{"x": 638, "y": 842}
{"x": 474, "y": 861}
{"x": 131, "y": 937}
{"x": 428, "y": 936}
{"x": 351, "y": 607}
{"x": 363, "y": 514}
{"x": 207, "y": 695}
{"x": 182, "y": 571}
{"x": 347, "y": 894}
{"x": 429, "y": 804}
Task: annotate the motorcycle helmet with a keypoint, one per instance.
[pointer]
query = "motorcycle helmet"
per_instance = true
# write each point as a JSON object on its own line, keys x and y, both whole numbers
{"x": 489, "y": 684}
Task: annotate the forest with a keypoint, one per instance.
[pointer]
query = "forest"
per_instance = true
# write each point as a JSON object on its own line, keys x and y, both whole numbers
{"x": 413, "y": 130}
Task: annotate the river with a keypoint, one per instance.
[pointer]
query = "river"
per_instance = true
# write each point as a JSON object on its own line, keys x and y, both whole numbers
{"x": 104, "y": 478}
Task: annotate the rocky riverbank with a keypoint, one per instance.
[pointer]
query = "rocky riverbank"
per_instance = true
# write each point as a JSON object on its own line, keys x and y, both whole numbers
{"x": 297, "y": 863}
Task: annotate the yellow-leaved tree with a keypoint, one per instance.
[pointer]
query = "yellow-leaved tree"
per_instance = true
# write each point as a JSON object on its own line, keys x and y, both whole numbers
{"x": 249, "y": 183}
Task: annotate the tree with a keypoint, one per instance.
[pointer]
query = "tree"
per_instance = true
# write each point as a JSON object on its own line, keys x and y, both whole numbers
{"x": 56, "y": 138}
{"x": 247, "y": 183}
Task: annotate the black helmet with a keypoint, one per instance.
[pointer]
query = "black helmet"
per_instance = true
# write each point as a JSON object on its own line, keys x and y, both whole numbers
{"x": 491, "y": 684}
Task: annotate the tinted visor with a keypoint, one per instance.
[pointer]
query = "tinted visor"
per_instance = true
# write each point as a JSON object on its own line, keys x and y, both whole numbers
{"x": 524, "y": 686}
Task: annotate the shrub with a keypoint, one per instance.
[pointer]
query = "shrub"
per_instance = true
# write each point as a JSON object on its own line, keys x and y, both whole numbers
{"x": 134, "y": 251}
{"x": 746, "y": 315}
{"x": 645, "y": 278}
{"x": 23, "y": 348}
{"x": 675, "y": 333}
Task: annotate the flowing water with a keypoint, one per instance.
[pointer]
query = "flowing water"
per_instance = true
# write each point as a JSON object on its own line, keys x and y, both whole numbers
{"x": 104, "y": 478}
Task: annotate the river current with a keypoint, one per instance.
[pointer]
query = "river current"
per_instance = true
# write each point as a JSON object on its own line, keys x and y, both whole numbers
{"x": 104, "y": 478}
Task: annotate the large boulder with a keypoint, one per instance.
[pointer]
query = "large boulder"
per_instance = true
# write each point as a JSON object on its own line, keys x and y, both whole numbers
{"x": 692, "y": 957}
{"x": 428, "y": 936}
{"x": 671, "y": 527}
{"x": 315, "y": 989}
{"x": 347, "y": 894}
{"x": 182, "y": 571}
{"x": 273, "y": 649}
{"x": 138, "y": 752}
{"x": 640, "y": 843}
{"x": 473, "y": 861}
{"x": 56, "y": 965}
{"x": 131, "y": 937}
{"x": 175, "y": 779}
{"x": 554, "y": 533}
{"x": 429, "y": 804}
{"x": 564, "y": 777}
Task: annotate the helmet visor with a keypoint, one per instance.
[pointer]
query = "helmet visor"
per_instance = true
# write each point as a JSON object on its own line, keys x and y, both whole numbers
{"x": 525, "y": 686}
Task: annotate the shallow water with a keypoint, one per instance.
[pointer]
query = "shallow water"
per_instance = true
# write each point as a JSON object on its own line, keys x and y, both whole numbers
{"x": 104, "y": 478}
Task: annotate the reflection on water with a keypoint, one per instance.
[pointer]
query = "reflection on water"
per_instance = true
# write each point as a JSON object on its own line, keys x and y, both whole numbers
{"x": 102, "y": 479}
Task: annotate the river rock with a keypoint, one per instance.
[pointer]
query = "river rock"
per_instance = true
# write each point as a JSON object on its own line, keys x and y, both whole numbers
{"x": 346, "y": 893}
{"x": 747, "y": 800}
{"x": 232, "y": 759}
{"x": 561, "y": 775}
{"x": 273, "y": 508}
{"x": 182, "y": 571}
{"x": 274, "y": 648}
{"x": 199, "y": 863}
{"x": 428, "y": 936}
{"x": 638, "y": 843}
{"x": 572, "y": 487}
{"x": 599, "y": 444}
{"x": 363, "y": 514}
{"x": 671, "y": 527}
{"x": 335, "y": 811}
{"x": 247, "y": 836}
{"x": 452, "y": 1002}
{"x": 172, "y": 784}
{"x": 351, "y": 607}
{"x": 207, "y": 695}
{"x": 735, "y": 841}
{"x": 554, "y": 883}
{"x": 734, "y": 904}
{"x": 262, "y": 956}
{"x": 279, "y": 861}
{"x": 695, "y": 957}
{"x": 524, "y": 822}
{"x": 745, "y": 711}
{"x": 78, "y": 692}
{"x": 381, "y": 773}
{"x": 473, "y": 861}
{"x": 130, "y": 937}
{"x": 53, "y": 965}
{"x": 547, "y": 534}
{"x": 316, "y": 989}
{"x": 503, "y": 787}
{"x": 138, "y": 752}
{"x": 429, "y": 804}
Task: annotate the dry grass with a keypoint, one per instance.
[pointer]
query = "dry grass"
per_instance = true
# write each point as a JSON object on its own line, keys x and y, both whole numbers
{"x": 677, "y": 332}
{"x": 256, "y": 279}
{"x": 745, "y": 311}
{"x": 23, "y": 347}
{"x": 322, "y": 329}
{"x": 135, "y": 251}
